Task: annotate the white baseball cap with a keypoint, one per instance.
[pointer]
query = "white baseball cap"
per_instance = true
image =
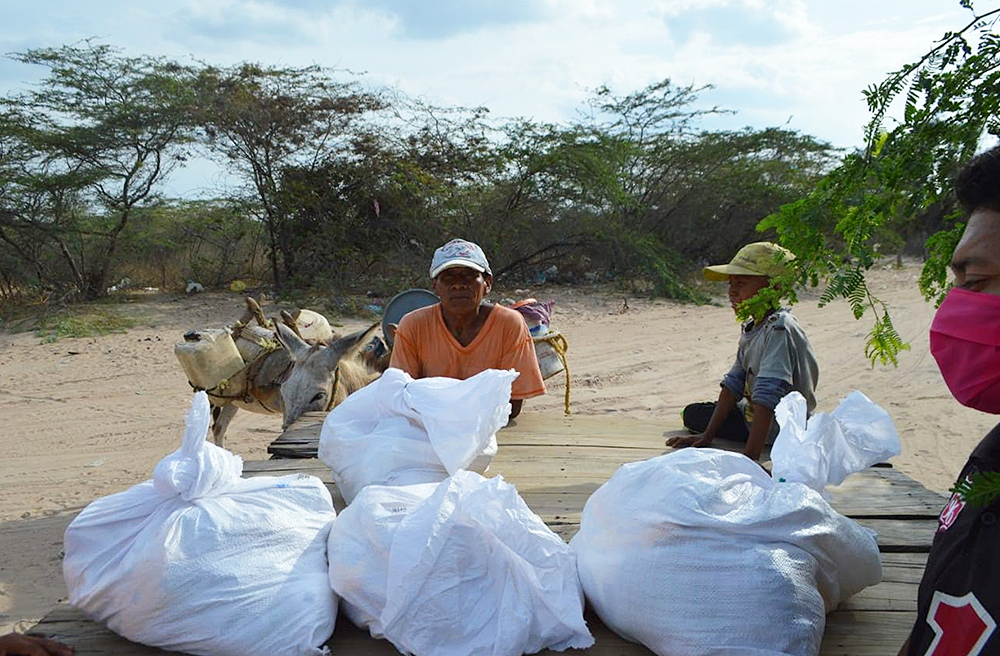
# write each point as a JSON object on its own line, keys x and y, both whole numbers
{"x": 459, "y": 252}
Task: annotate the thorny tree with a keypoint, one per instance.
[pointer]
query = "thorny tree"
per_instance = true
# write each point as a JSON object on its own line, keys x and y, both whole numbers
{"x": 264, "y": 120}
{"x": 951, "y": 103}
{"x": 85, "y": 148}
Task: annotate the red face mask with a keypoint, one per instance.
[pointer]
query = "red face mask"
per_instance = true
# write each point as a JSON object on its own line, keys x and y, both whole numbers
{"x": 965, "y": 341}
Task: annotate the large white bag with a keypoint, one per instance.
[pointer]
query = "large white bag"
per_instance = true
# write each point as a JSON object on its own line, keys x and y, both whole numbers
{"x": 461, "y": 567}
{"x": 700, "y": 552}
{"x": 202, "y": 561}
{"x": 827, "y": 448}
{"x": 401, "y": 431}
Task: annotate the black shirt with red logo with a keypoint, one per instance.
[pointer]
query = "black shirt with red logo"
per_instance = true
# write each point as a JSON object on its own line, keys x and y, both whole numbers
{"x": 958, "y": 605}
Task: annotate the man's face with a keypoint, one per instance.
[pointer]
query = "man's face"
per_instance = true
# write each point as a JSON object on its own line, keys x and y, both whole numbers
{"x": 976, "y": 262}
{"x": 742, "y": 288}
{"x": 461, "y": 289}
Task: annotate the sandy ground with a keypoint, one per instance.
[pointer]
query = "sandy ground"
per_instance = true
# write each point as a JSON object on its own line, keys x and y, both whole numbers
{"x": 83, "y": 418}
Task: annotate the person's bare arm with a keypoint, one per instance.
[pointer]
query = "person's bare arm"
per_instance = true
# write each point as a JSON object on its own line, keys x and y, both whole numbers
{"x": 515, "y": 408}
{"x": 761, "y": 426}
{"x": 725, "y": 404}
{"x": 905, "y": 648}
{"x": 15, "y": 644}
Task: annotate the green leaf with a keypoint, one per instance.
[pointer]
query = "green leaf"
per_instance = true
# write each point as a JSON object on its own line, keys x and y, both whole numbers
{"x": 981, "y": 489}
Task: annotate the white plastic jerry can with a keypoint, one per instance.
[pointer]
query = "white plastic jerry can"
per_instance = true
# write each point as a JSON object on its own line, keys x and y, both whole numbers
{"x": 208, "y": 357}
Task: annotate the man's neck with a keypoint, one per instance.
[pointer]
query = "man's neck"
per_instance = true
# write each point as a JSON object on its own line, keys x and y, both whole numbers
{"x": 466, "y": 327}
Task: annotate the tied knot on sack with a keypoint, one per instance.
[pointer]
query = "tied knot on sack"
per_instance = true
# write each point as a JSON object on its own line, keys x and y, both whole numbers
{"x": 197, "y": 469}
{"x": 827, "y": 448}
{"x": 479, "y": 407}
{"x": 401, "y": 431}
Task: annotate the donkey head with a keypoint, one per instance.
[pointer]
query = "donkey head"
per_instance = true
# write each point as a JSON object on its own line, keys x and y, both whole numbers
{"x": 310, "y": 384}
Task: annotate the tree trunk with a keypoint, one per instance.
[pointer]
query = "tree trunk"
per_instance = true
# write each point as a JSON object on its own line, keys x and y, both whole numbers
{"x": 97, "y": 282}
{"x": 273, "y": 254}
{"x": 9, "y": 292}
{"x": 74, "y": 269}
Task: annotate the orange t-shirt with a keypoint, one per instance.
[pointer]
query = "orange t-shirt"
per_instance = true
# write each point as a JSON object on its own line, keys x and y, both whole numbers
{"x": 424, "y": 347}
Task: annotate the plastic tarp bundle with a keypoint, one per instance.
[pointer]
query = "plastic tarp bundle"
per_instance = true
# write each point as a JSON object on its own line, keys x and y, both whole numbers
{"x": 699, "y": 552}
{"x": 534, "y": 312}
{"x": 461, "y": 567}
{"x": 202, "y": 561}
{"x": 401, "y": 431}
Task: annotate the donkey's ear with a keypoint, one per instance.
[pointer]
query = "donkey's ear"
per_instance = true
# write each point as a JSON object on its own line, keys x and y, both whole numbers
{"x": 294, "y": 344}
{"x": 355, "y": 341}
{"x": 347, "y": 344}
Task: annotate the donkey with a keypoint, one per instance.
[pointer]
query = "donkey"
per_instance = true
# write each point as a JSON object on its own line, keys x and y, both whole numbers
{"x": 298, "y": 378}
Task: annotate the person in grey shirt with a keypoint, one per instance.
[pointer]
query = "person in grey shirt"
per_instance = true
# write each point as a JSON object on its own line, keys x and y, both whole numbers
{"x": 774, "y": 357}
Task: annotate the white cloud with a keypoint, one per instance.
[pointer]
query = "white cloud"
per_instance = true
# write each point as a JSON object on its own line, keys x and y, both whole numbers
{"x": 768, "y": 59}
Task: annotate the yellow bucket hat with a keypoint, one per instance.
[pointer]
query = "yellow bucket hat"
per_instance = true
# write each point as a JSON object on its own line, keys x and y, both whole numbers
{"x": 760, "y": 258}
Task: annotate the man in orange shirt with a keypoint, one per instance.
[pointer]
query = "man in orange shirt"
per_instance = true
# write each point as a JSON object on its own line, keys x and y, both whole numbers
{"x": 461, "y": 336}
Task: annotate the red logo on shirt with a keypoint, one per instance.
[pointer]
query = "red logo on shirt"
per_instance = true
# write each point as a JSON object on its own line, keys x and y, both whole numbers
{"x": 961, "y": 625}
{"x": 950, "y": 512}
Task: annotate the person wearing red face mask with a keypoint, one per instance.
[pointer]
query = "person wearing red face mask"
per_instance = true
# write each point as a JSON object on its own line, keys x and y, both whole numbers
{"x": 461, "y": 336}
{"x": 958, "y": 603}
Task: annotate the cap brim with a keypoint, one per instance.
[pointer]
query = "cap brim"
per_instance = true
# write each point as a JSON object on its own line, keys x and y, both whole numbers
{"x": 722, "y": 272}
{"x": 457, "y": 263}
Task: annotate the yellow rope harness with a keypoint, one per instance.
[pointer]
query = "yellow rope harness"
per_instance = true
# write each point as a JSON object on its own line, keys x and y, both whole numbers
{"x": 559, "y": 344}
{"x": 246, "y": 373}
{"x": 333, "y": 392}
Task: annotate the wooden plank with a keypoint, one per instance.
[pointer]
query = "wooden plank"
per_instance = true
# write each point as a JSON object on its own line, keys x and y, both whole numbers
{"x": 866, "y": 633}
{"x": 849, "y": 632}
{"x": 903, "y": 567}
{"x": 578, "y": 449}
{"x": 70, "y": 626}
{"x": 872, "y": 622}
{"x": 894, "y": 536}
{"x": 307, "y": 425}
{"x": 559, "y": 498}
{"x": 885, "y": 492}
{"x": 557, "y": 463}
{"x": 902, "y": 535}
{"x": 285, "y": 466}
{"x": 901, "y": 575}
{"x": 293, "y": 451}
{"x": 562, "y": 505}
{"x": 562, "y": 511}
{"x": 301, "y": 439}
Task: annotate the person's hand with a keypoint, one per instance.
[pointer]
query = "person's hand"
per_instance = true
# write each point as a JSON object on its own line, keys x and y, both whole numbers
{"x": 698, "y": 440}
{"x": 15, "y": 644}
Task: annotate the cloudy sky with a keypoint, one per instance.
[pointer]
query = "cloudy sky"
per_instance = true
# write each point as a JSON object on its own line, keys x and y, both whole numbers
{"x": 776, "y": 62}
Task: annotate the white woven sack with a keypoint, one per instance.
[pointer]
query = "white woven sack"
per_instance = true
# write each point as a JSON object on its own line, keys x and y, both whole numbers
{"x": 700, "y": 552}
{"x": 202, "y": 561}
{"x": 401, "y": 431}
{"x": 827, "y": 448}
{"x": 462, "y": 567}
